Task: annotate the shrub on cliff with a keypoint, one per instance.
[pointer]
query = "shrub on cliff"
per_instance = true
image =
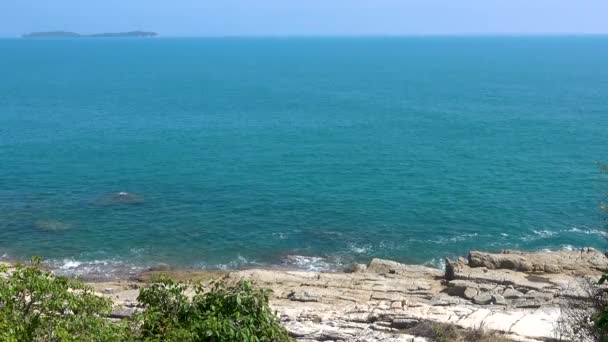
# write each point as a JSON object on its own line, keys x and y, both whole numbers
{"x": 223, "y": 313}
{"x": 38, "y": 306}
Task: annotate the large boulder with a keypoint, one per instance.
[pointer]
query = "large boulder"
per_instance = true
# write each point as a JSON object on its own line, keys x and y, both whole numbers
{"x": 585, "y": 261}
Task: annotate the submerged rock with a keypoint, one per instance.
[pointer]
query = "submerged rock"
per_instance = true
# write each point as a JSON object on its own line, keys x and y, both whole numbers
{"x": 120, "y": 198}
{"x": 51, "y": 225}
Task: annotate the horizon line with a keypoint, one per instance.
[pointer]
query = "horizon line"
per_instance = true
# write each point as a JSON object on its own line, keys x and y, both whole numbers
{"x": 372, "y": 35}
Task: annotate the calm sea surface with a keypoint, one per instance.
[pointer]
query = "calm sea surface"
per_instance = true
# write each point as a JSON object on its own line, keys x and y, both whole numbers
{"x": 248, "y": 152}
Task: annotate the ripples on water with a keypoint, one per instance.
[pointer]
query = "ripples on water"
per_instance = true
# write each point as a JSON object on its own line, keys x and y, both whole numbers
{"x": 304, "y": 153}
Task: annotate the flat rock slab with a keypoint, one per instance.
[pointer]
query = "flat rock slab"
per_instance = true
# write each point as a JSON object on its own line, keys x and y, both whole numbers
{"x": 386, "y": 297}
{"x": 376, "y": 302}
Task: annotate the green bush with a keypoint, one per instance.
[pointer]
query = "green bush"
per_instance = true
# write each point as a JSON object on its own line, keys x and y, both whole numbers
{"x": 38, "y": 306}
{"x": 237, "y": 313}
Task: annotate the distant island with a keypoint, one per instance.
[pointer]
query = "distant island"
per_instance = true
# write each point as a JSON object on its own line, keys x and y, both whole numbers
{"x": 67, "y": 34}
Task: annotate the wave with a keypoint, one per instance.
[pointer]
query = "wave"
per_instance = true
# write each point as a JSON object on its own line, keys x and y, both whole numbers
{"x": 358, "y": 249}
{"x": 239, "y": 263}
{"x": 587, "y": 231}
{"x": 308, "y": 263}
{"x": 95, "y": 269}
{"x": 438, "y": 263}
{"x": 545, "y": 233}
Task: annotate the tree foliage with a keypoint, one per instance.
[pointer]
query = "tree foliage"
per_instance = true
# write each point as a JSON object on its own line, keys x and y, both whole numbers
{"x": 222, "y": 313}
{"x": 36, "y": 305}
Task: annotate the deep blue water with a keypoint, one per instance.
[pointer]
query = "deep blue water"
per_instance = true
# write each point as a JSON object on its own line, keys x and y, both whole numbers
{"x": 240, "y": 152}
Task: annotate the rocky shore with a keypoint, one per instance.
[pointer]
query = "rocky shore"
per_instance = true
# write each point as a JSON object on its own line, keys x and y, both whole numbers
{"x": 514, "y": 293}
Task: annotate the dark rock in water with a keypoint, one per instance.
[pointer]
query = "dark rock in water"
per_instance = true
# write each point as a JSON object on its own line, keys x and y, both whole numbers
{"x": 120, "y": 198}
{"x": 159, "y": 268}
{"x": 51, "y": 225}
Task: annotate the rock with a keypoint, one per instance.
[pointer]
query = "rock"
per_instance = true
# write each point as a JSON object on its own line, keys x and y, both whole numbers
{"x": 451, "y": 267}
{"x": 500, "y": 261}
{"x": 109, "y": 290}
{"x": 159, "y": 268}
{"x": 120, "y": 198}
{"x": 483, "y": 298}
{"x": 404, "y": 323}
{"x": 541, "y": 296}
{"x": 358, "y": 268}
{"x": 460, "y": 285}
{"x": 123, "y": 313}
{"x": 51, "y": 225}
{"x": 470, "y": 293}
{"x": 376, "y": 305}
{"x": 498, "y": 300}
{"x": 496, "y": 280}
{"x": 524, "y": 303}
{"x": 512, "y": 294}
{"x": 462, "y": 288}
{"x": 381, "y": 266}
{"x": 579, "y": 262}
{"x": 303, "y": 296}
{"x": 397, "y": 305}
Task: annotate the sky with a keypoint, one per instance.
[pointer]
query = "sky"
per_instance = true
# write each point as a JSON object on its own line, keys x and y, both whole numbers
{"x": 306, "y": 17}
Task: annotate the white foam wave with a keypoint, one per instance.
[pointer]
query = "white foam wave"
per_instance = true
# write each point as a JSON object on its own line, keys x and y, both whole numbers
{"x": 587, "y": 231}
{"x": 98, "y": 269}
{"x": 438, "y": 263}
{"x": 70, "y": 264}
{"x": 359, "y": 249}
{"x": 281, "y": 236}
{"x": 315, "y": 264}
{"x": 544, "y": 233}
{"x": 239, "y": 263}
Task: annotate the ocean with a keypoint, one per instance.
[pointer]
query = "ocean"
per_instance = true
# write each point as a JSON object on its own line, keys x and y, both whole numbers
{"x": 313, "y": 153}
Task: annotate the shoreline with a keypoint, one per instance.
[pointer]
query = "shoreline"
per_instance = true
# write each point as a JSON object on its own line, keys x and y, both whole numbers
{"x": 118, "y": 270}
{"x": 516, "y": 294}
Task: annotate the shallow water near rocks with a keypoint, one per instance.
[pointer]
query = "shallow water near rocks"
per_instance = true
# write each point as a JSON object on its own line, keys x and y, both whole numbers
{"x": 242, "y": 152}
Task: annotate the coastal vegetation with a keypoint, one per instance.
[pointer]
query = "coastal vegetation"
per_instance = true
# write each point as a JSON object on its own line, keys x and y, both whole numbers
{"x": 36, "y": 305}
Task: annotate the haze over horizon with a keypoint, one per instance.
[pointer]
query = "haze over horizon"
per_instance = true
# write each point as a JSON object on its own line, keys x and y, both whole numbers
{"x": 312, "y": 18}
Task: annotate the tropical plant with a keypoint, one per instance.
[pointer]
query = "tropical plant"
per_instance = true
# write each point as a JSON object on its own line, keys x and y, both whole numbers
{"x": 36, "y": 305}
{"x": 221, "y": 313}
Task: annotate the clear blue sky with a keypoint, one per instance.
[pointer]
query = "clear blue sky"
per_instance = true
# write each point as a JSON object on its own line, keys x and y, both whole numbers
{"x": 306, "y": 17}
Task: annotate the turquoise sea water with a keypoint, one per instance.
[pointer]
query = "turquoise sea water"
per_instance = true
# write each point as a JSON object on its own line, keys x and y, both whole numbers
{"x": 242, "y": 152}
